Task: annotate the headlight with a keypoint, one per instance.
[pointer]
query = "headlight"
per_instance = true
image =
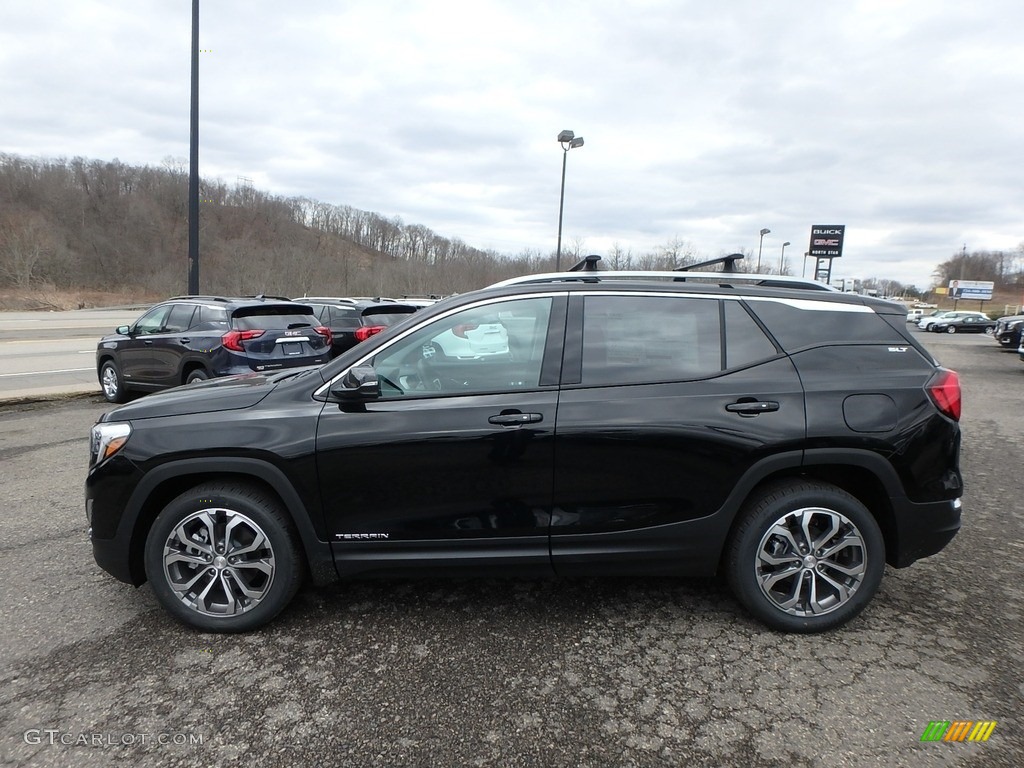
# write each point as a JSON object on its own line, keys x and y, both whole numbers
{"x": 106, "y": 439}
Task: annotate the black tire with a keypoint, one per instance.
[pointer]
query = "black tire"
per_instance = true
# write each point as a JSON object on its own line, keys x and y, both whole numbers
{"x": 190, "y": 545}
{"x": 112, "y": 383}
{"x": 951, "y": 329}
{"x": 196, "y": 375}
{"x": 842, "y": 578}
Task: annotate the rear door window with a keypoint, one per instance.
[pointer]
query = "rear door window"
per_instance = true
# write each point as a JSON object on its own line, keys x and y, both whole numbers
{"x": 640, "y": 339}
{"x": 180, "y": 318}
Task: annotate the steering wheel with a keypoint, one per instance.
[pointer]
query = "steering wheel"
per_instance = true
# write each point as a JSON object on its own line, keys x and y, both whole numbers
{"x": 429, "y": 380}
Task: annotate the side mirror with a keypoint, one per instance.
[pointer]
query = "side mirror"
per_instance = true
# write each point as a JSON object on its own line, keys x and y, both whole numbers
{"x": 360, "y": 383}
{"x": 122, "y": 330}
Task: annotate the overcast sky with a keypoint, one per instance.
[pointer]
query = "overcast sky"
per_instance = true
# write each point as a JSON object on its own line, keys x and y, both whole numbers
{"x": 703, "y": 122}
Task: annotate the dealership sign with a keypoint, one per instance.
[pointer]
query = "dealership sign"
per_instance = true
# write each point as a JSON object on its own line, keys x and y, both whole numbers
{"x": 978, "y": 290}
{"x": 827, "y": 240}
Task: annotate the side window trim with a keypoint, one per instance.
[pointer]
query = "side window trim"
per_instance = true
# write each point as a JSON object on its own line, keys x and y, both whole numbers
{"x": 572, "y": 357}
{"x": 554, "y": 344}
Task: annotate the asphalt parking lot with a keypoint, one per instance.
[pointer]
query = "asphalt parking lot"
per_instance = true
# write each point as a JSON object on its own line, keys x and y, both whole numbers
{"x": 618, "y": 672}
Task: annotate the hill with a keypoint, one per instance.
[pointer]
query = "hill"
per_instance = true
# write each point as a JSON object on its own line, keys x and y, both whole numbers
{"x": 74, "y": 232}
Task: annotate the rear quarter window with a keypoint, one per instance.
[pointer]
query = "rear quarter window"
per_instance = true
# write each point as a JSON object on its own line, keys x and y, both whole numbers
{"x": 801, "y": 323}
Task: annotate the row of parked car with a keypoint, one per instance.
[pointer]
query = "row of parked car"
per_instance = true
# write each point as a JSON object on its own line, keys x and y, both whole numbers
{"x": 187, "y": 339}
{"x": 1006, "y": 330}
{"x": 951, "y": 321}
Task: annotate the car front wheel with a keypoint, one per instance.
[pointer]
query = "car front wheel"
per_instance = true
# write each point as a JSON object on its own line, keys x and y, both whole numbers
{"x": 951, "y": 329}
{"x": 806, "y": 557}
{"x": 111, "y": 382}
{"x": 223, "y": 557}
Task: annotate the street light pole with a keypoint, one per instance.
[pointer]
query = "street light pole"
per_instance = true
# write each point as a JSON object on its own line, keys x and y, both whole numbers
{"x": 782, "y": 258}
{"x": 568, "y": 140}
{"x": 759, "y": 244}
{"x": 193, "y": 172}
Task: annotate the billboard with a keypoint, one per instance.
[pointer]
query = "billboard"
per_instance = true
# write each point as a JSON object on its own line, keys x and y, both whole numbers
{"x": 827, "y": 240}
{"x": 976, "y": 290}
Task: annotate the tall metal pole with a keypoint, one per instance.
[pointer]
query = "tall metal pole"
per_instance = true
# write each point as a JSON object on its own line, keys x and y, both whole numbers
{"x": 760, "y": 243}
{"x": 561, "y": 204}
{"x": 193, "y": 175}
{"x": 782, "y": 256}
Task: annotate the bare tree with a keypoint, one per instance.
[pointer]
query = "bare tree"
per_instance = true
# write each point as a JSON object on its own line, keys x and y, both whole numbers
{"x": 24, "y": 245}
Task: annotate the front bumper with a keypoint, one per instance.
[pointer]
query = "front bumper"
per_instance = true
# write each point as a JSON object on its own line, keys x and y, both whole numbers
{"x": 108, "y": 489}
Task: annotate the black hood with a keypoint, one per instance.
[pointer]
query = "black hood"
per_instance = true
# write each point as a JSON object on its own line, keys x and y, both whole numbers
{"x": 223, "y": 394}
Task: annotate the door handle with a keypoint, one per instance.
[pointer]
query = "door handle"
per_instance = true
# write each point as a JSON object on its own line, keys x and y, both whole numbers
{"x": 184, "y": 341}
{"x": 514, "y": 419}
{"x": 148, "y": 343}
{"x": 752, "y": 407}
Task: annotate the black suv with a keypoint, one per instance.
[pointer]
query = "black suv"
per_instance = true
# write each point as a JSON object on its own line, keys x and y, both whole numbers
{"x": 192, "y": 338}
{"x": 354, "y": 320}
{"x": 1007, "y": 332}
{"x": 793, "y": 440}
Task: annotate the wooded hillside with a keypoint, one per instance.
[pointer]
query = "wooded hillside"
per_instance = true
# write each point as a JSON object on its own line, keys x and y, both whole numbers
{"x": 107, "y": 226}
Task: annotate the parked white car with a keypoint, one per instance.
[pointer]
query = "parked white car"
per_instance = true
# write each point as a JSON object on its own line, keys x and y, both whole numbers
{"x": 473, "y": 341}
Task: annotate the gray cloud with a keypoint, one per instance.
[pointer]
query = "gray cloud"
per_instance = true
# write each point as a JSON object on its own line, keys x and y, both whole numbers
{"x": 701, "y": 122}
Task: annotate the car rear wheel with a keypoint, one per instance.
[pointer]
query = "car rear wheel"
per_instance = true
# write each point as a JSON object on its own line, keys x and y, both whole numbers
{"x": 111, "y": 382}
{"x": 806, "y": 557}
{"x": 196, "y": 376}
{"x": 223, "y": 557}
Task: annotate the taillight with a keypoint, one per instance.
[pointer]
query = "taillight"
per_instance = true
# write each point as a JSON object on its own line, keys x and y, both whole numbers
{"x": 460, "y": 330}
{"x": 233, "y": 339}
{"x": 944, "y": 390}
{"x": 362, "y": 334}
{"x": 326, "y": 333}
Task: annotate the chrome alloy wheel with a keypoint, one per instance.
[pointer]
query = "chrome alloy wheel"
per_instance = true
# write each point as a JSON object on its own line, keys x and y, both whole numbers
{"x": 109, "y": 382}
{"x": 219, "y": 562}
{"x": 811, "y": 561}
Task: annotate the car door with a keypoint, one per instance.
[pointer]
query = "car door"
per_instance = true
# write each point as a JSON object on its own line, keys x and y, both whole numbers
{"x": 659, "y": 419}
{"x": 170, "y": 345}
{"x": 452, "y": 465}
{"x": 137, "y": 353}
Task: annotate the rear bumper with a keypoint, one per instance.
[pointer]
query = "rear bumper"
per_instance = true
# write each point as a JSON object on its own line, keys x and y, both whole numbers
{"x": 923, "y": 530}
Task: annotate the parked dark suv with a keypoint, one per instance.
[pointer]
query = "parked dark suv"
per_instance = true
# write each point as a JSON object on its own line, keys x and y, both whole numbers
{"x": 1007, "y": 332}
{"x": 354, "y": 320}
{"x": 191, "y": 338}
{"x": 793, "y": 440}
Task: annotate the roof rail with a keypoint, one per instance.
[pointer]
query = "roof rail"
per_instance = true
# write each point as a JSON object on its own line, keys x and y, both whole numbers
{"x": 723, "y": 279}
{"x": 264, "y": 297}
{"x": 199, "y": 298}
